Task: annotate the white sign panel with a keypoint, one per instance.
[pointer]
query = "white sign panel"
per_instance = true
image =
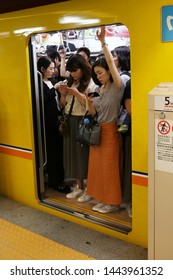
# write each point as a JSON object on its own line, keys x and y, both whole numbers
{"x": 164, "y": 145}
{"x": 164, "y": 103}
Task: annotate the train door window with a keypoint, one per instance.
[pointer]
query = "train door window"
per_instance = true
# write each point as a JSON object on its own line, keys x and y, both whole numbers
{"x": 45, "y": 44}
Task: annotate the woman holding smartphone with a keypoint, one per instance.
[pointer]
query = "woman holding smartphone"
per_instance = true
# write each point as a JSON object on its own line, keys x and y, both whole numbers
{"x": 104, "y": 176}
{"x": 76, "y": 156}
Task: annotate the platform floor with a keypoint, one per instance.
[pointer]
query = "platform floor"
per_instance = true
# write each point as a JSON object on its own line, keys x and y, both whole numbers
{"x": 27, "y": 233}
{"x": 17, "y": 243}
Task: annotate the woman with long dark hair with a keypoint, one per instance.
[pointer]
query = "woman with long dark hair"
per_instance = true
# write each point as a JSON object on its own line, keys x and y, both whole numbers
{"x": 75, "y": 155}
{"x": 104, "y": 170}
{"x": 54, "y": 141}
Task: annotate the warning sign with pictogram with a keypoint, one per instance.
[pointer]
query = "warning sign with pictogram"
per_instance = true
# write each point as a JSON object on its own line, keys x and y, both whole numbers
{"x": 163, "y": 127}
{"x": 164, "y": 142}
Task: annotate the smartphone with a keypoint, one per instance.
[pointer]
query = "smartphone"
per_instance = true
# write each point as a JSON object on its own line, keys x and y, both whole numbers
{"x": 63, "y": 83}
{"x": 94, "y": 94}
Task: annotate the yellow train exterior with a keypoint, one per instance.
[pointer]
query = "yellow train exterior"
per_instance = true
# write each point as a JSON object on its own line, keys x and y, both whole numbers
{"x": 150, "y": 65}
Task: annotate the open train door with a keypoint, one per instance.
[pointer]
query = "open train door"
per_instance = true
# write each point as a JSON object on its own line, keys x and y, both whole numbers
{"x": 49, "y": 197}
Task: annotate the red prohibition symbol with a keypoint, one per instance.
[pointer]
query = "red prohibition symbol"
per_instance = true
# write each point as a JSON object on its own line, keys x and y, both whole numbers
{"x": 163, "y": 127}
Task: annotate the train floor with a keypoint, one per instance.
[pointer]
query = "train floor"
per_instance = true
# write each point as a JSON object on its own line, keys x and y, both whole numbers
{"x": 27, "y": 233}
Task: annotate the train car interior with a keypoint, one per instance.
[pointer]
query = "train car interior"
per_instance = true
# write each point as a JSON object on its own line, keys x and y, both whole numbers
{"x": 117, "y": 34}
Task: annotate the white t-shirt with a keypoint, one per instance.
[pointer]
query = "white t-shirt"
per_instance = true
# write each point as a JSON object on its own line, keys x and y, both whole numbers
{"x": 79, "y": 109}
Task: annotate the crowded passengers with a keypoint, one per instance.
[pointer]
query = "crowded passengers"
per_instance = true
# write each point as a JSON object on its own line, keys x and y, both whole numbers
{"x": 102, "y": 172}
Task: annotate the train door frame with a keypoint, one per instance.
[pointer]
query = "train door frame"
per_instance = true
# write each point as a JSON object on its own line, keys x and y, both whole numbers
{"x": 40, "y": 156}
{"x": 39, "y": 131}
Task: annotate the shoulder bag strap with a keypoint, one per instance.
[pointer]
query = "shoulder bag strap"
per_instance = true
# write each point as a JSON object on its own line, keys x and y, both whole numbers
{"x": 71, "y": 106}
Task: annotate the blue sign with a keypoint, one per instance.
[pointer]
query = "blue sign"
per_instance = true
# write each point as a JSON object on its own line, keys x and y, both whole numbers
{"x": 167, "y": 23}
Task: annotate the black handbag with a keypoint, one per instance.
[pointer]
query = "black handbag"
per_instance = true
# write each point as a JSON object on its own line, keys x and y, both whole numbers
{"x": 89, "y": 132}
{"x": 63, "y": 122}
{"x": 64, "y": 126}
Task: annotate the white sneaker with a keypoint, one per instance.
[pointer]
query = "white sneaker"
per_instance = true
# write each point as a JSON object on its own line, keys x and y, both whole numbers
{"x": 108, "y": 208}
{"x": 129, "y": 210}
{"x": 123, "y": 128}
{"x": 84, "y": 198}
{"x": 98, "y": 206}
{"x": 74, "y": 193}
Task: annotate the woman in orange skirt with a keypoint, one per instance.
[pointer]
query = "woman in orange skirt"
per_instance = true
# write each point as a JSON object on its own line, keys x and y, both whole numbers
{"x": 104, "y": 178}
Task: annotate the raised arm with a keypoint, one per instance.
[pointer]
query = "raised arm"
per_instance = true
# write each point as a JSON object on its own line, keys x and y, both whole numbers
{"x": 109, "y": 58}
{"x": 63, "y": 71}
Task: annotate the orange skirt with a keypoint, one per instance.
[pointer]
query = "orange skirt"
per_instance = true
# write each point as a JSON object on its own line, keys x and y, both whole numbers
{"x": 104, "y": 178}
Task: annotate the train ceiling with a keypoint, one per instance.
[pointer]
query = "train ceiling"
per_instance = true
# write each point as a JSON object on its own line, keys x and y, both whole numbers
{"x": 15, "y": 5}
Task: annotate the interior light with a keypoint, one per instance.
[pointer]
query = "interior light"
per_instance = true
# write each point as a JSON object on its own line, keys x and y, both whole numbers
{"x": 4, "y": 34}
{"x": 27, "y": 31}
{"x": 77, "y": 20}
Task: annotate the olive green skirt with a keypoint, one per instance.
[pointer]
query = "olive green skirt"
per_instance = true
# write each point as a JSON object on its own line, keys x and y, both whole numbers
{"x": 75, "y": 155}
